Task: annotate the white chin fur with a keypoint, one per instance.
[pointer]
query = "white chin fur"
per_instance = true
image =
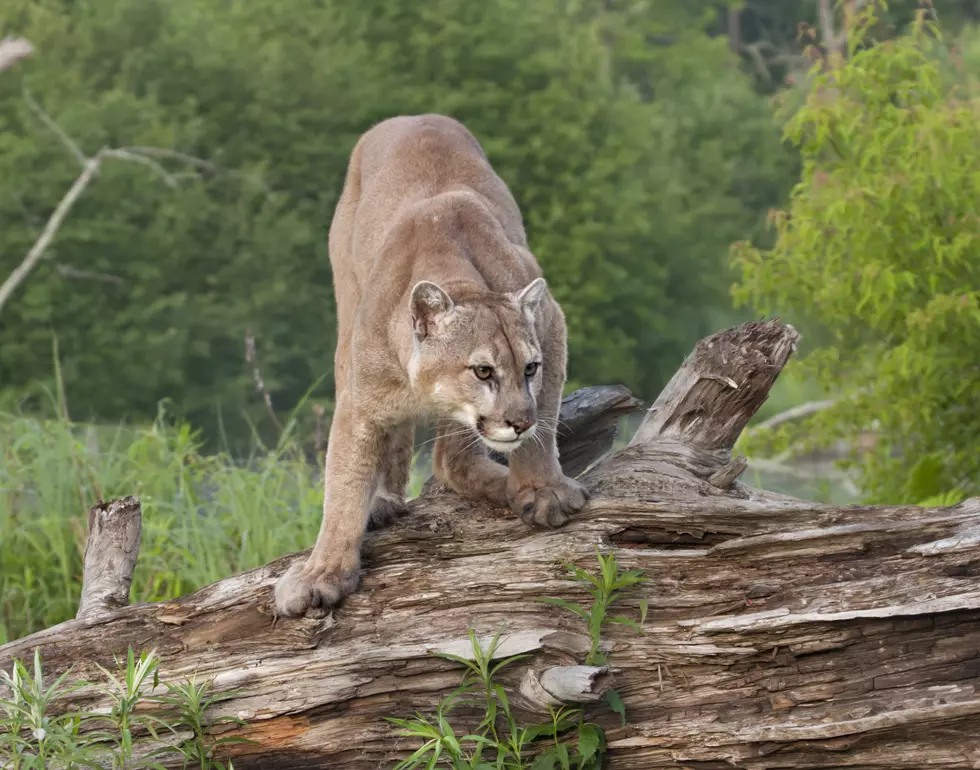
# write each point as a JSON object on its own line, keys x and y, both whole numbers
{"x": 504, "y": 447}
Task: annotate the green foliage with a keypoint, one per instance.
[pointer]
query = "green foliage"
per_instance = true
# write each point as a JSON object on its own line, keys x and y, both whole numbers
{"x": 34, "y": 738}
{"x": 605, "y": 589}
{"x": 30, "y": 737}
{"x": 881, "y": 245}
{"x": 635, "y": 165}
{"x": 567, "y": 741}
{"x": 190, "y": 701}
{"x": 124, "y": 690}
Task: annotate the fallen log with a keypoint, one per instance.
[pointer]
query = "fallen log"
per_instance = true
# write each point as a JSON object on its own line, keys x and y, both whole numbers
{"x": 780, "y": 633}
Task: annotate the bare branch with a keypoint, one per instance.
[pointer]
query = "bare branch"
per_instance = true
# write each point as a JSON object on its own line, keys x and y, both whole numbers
{"x": 12, "y": 50}
{"x": 802, "y": 410}
{"x": 89, "y": 170}
{"x": 250, "y": 357}
{"x": 90, "y": 167}
{"x": 67, "y": 271}
{"x": 833, "y": 42}
{"x": 734, "y": 28}
{"x": 162, "y": 152}
{"x": 142, "y": 155}
{"x": 205, "y": 165}
{"x": 144, "y": 160}
{"x": 754, "y": 52}
{"x": 836, "y": 42}
{"x": 55, "y": 128}
{"x": 50, "y": 229}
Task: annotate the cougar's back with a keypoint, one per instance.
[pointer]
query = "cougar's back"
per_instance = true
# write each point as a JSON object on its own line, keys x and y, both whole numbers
{"x": 408, "y": 166}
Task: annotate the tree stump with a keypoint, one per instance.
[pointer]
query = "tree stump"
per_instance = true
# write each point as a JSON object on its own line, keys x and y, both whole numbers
{"x": 780, "y": 633}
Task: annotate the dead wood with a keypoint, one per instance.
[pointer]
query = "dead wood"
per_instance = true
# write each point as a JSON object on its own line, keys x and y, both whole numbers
{"x": 110, "y": 557}
{"x": 780, "y": 633}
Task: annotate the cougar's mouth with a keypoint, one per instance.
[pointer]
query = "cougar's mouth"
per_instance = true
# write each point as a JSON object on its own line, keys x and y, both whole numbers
{"x": 501, "y": 446}
{"x": 498, "y": 444}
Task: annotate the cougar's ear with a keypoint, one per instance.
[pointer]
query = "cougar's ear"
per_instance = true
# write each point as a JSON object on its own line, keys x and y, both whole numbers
{"x": 429, "y": 305}
{"x": 529, "y": 298}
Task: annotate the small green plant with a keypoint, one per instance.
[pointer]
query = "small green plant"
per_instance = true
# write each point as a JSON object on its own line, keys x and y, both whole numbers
{"x": 32, "y": 738}
{"x": 191, "y": 701}
{"x": 124, "y": 689}
{"x": 606, "y": 588}
{"x": 498, "y": 742}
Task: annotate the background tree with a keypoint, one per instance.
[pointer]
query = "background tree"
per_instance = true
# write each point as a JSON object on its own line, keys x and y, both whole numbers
{"x": 771, "y": 35}
{"x": 881, "y": 244}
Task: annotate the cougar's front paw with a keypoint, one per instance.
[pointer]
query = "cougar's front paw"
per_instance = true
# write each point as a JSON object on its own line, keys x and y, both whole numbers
{"x": 303, "y": 589}
{"x": 548, "y": 505}
{"x": 386, "y": 509}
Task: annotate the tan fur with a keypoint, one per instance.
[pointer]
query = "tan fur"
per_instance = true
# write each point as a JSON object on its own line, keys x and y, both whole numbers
{"x": 433, "y": 280}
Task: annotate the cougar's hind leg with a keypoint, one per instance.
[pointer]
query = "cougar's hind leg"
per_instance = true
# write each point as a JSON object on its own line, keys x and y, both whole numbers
{"x": 394, "y": 469}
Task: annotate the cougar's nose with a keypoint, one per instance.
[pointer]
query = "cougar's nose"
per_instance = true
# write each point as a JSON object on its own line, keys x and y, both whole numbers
{"x": 520, "y": 425}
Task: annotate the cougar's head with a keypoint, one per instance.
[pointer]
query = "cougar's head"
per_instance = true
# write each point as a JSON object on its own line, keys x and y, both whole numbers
{"x": 478, "y": 361}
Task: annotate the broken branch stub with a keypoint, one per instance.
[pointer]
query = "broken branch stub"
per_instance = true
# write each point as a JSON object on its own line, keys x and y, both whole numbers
{"x": 718, "y": 388}
{"x": 589, "y": 423}
{"x": 564, "y": 685}
{"x": 110, "y": 557}
{"x": 696, "y": 420}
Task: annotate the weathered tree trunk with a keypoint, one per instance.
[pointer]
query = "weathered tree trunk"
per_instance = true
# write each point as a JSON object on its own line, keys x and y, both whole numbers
{"x": 780, "y": 633}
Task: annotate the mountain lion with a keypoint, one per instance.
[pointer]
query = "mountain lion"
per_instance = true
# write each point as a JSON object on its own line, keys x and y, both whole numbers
{"x": 441, "y": 312}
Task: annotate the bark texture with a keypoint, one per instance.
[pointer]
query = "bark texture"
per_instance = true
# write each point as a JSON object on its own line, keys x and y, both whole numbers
{"x": 780, "y": 633}
{"x": 110, "y": 557}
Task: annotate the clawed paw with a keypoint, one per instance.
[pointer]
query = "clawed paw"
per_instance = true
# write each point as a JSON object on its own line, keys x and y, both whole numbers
{"x": 312, "y": 592}
{"x": 386, "y": 509}
{"x": 549, "y": 505}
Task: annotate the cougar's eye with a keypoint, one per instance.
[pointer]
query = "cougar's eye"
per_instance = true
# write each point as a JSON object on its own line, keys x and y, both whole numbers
{"x": 483, "y": 372}
{"x": 531, "y": 369}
